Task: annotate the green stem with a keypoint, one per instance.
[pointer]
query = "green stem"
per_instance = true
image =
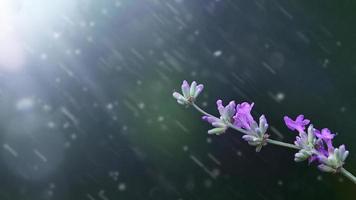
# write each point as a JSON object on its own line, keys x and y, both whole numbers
{"x": 238, "y": 129}
{"x": 283, "y": 144}
{"x": 348, "y": 175}
{"x": 201, "y": 110}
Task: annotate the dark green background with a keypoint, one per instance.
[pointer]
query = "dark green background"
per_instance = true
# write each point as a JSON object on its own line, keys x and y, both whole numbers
{"x": 121, "y": 94}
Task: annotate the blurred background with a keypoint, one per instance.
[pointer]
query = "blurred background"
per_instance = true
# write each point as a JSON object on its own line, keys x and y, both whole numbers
{"x": 86, "y": 107}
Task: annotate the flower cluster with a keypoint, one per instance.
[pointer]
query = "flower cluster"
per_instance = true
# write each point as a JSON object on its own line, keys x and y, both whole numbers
{"x": 234, "y": 116}
{"x": 190, "y": 93}
{"x": 316, "y": 145}
{"x": 239, "y": 117}
{"x": 313, "y": 145}
{"x": 226, "y": 118}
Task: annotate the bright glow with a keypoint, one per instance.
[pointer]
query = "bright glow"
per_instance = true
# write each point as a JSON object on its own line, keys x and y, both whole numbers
{"x": 25, "y": 22}
{"x": 11, "y": 51}
{"x": 35, "y": 16}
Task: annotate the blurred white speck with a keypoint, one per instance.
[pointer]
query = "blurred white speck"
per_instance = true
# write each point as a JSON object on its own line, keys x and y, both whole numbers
{"x": 193, "y": 73}
{"x": 280, "y": 96}
{"x": 77, "y": 51}
{"x": 90, "y": 39}
{"x": 218, "y": 53}
{"x": 205, "y": 104}
{"x": 239, "y": 153}
{"x": 185, "y": 148}
{"x": 109, "y": 106}
{"x": 51, "y": 125}
{"x": 66, "y": 125}
{"x": 122, "y": 187}
{"x": 25, "y": 104}
{"x": 208, "y": 140}
{"x": 43, "y": 56}
{"x": 56, "y": 35}
{"x": 52, "y": 185}
{"x": 326, "y": 63}
{"x": 319, "y": 178}
{"x": 104, "y": 11}
{"x": 141, "y": 105}
{"x": 73, "y": 136}
{"x": 50, "y": 193}
{"x": 279, "y": 182}
{"x": 47, "y": 108}
{"x": 160, "y": 118}
{"x": 114, "y": 175}
{"x": 67, "y": 144}
{"x": 117, "y": 4}
{"x": 338, "y": 43}
{"x": 208, "y": 183}
{"x": 215, "y": 173}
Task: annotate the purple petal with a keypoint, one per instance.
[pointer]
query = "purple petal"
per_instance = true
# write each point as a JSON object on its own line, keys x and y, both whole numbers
{"x": 326, "y": 134}
{"x": 220, "y": 106}
{"x": 289, "y": 122}
{"x": 298, "y": 124}
{"x": 210, "y": 119}
{"x": 198, "y": 90}
{"x": 185, "y": 89}
{"x": 230, "y": 109}
{"x": 243, "y": 117}
{"x": 312, "y": 159}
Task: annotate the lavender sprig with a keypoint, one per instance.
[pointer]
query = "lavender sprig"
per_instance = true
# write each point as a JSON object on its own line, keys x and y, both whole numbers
{"x": 313, "y": 145}
{"x": 189, "y": 93}
{"x": 316, "y": 146}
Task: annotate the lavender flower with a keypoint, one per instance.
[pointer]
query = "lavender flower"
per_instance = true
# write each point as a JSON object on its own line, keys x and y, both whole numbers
{"x": 255, "y": 134}
{"x": 298, "y": 124}
{"x": 221, "y": 124}
{"x": 190, "y": 93}
{"x": 326, "y": 136}
{"x": 243, "y": 117}
{"x": 317, "y": 145}
{"x": 330, "y": 159}
{"x": 307, "y": 142}
{"x": 333, "y": 160}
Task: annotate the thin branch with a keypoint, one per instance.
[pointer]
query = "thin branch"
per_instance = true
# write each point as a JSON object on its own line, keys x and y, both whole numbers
{"x": 283, "y": 144}
{"x": 201, "y": 110}
{"x": 348, "y": 175}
